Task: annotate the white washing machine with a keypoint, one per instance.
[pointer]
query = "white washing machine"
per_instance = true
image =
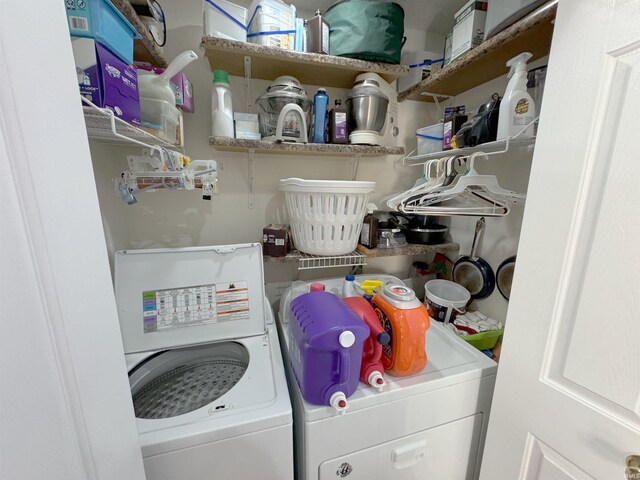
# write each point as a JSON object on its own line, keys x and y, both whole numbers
{"x": 430, "y": 425}
{"x": 206, "y": 373}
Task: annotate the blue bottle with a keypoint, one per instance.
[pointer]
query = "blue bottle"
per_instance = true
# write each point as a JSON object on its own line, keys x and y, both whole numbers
{"x": 320, "y": 103}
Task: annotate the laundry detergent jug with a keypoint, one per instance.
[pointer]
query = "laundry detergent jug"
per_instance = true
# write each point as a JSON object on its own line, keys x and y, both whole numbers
{"x": 371, "y": 369}
{"x": 406, "y": 320}
{"x": 325, "y": 348}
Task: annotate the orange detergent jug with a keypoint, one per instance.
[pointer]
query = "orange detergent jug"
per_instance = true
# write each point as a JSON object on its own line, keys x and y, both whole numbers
{"x": 406, "y": 320}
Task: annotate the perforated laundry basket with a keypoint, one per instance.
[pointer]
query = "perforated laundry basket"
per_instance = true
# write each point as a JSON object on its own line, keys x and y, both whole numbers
{"x": 326, "y": 215}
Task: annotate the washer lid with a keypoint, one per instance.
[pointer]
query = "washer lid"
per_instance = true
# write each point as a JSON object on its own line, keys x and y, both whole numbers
{"x": 186, "y": 296}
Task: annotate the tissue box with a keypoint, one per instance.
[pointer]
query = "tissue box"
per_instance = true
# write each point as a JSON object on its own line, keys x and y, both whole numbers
{"x": 183, "y": 90}
{"x": 468, "y": 27}
{"x": 276, "y": 240}
{"x": 106, "y": 80}
{"x": 246, "y": 125}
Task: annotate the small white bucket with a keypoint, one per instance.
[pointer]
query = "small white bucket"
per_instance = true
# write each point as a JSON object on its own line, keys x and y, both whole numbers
{"x": 445, "y": 300}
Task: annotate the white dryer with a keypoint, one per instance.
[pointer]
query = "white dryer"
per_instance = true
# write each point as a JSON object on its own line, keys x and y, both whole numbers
{"x": 206, "y": 373}
{"x": 430, "y": 425}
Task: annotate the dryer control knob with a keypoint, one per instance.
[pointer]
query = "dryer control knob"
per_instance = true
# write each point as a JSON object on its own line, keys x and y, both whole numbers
{"x": 339, "y": 402}
{"x": 347, "y": 338}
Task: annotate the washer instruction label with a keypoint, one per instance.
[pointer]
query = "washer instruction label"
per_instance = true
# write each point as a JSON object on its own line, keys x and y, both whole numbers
{"x": 165, "y": 310}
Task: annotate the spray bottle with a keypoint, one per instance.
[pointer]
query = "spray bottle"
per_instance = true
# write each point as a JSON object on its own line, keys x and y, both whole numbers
{"x": 517, "y": 108}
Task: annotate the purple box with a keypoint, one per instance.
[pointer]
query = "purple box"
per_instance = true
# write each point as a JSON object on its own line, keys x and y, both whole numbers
{"x": 106, "y": 80}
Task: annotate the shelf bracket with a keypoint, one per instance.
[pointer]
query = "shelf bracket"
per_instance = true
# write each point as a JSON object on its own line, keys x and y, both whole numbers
{"x": 252, "y": 161}
{"x": 436, "y": 96}
{"x": 355, "y": 163}
{"x": 247, "y": 84}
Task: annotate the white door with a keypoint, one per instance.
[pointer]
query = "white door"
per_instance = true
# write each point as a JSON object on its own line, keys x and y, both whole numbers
{"x": 65, "y": 403}
{"x": 567, "y": 398}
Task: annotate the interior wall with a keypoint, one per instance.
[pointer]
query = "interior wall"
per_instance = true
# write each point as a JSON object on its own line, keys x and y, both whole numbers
{"x": 182, "y": 218}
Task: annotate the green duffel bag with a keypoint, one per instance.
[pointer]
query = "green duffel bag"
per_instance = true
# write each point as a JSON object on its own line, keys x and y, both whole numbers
{"x": 370, "y": 30}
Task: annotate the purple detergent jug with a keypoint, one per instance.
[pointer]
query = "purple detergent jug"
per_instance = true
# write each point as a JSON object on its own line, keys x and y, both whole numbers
{"x": 325, "y": 348}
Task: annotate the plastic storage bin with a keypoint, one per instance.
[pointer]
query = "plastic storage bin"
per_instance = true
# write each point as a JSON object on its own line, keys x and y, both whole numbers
{"x": 100, "y": 20}
{"x": 160, "y": 118}
{"x": 225, "y": 20}
{"x": 430, "y": 139}
{"x": 326, "y": 215}
{"x": 268, "y": 18}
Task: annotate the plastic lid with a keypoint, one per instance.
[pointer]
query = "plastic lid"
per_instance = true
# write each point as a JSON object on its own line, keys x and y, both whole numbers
{"x": 376, "y": 380}
{"x": 323, "y": 90}
{"x": 350, "y": 278}
{"x": 220, "y": 76}
{"x": 316, "y": 287}
{"x": 347, "y": 338}
{"x": 339, "y": 402}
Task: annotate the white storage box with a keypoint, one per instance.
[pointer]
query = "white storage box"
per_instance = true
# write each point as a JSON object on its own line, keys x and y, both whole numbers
{"x": 503, "y": 13}
{"x": 468, "y": 28}
{"x": 246, "y": 126}
{"x": 224, "y": 19}
{"x": 430, "y": 138}
{"x": 268, "y": 18}
{"x": 419, "y": 64}
{"x": 326, "y": 215}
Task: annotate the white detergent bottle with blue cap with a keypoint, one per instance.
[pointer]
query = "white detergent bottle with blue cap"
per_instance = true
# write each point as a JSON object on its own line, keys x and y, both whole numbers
{"x": 517, "y": 109}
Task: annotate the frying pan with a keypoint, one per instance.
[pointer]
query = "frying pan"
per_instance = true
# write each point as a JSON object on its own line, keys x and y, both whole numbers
{"x": 473, "y": 272}
{"x": 504, "y": 276}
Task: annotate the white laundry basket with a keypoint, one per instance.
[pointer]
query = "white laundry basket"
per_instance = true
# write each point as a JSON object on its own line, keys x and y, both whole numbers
{"x": 326, "y": 215}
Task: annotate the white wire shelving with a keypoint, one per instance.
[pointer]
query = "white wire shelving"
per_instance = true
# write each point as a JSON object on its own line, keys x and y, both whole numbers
{"x": 306, "y": 261}
{"x": 490, "y": 148}
{"x": 102, "y": 125}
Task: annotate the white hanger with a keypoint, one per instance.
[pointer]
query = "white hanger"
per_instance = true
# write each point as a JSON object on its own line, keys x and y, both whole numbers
{"x": 474, "y": 194}
{"x": 432, "y": 180}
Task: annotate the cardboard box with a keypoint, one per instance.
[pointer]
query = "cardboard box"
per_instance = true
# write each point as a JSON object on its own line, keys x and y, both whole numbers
{"x": 276, "y": 240}
{"x": 468, "y": 28}
{"x": 106, "y": 80}
{"x": 183, "y": 91}
{"x": 454, "y": 117}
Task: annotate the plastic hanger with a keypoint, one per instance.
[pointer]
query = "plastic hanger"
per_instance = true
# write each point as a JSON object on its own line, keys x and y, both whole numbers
{"x": 470, "y": 194}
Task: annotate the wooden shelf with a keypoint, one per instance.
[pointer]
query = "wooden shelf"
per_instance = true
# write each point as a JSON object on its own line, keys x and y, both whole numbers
{"x": 410, "y": 249}
{"x": 144, "y": 49}
{"x": 268, "y": 63}
{"x": 317, "y": 149}
{"x": 531, "y": 34}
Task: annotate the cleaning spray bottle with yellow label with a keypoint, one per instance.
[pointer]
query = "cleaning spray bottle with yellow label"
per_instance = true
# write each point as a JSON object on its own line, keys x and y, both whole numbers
{"x": 517, "y": 108}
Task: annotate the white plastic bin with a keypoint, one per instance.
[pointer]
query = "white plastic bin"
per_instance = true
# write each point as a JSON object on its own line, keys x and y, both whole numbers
{"x": 224, "y": 19}
{"x": 419, "y": 67}
{"x": 430, "y": 139}
{"x": 160, "y": 118}
{"x": 269, "y": 17}
{"x": 326, "y": 215}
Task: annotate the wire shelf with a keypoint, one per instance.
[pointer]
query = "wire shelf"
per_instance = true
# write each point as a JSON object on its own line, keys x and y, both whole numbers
{"x": 103, "y": 126}
{"x": 306, "y": 261}
{"x": 490, "y": 148}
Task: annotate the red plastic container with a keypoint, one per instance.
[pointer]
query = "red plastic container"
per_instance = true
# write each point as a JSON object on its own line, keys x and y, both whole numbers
{"x": 371, "y": 369}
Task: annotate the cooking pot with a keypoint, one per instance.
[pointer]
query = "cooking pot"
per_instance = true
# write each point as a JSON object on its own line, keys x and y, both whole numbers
{"x": 421, "y": 229}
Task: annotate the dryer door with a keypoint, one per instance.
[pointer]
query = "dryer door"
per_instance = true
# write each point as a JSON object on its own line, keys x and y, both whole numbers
{"x": 440, "y": 453}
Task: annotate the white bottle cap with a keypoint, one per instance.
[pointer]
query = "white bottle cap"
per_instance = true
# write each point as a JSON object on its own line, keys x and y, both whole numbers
{"x": 347, "y": 338}
{"x": 339, "y": 402}
{"x": 376, "y": 380}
